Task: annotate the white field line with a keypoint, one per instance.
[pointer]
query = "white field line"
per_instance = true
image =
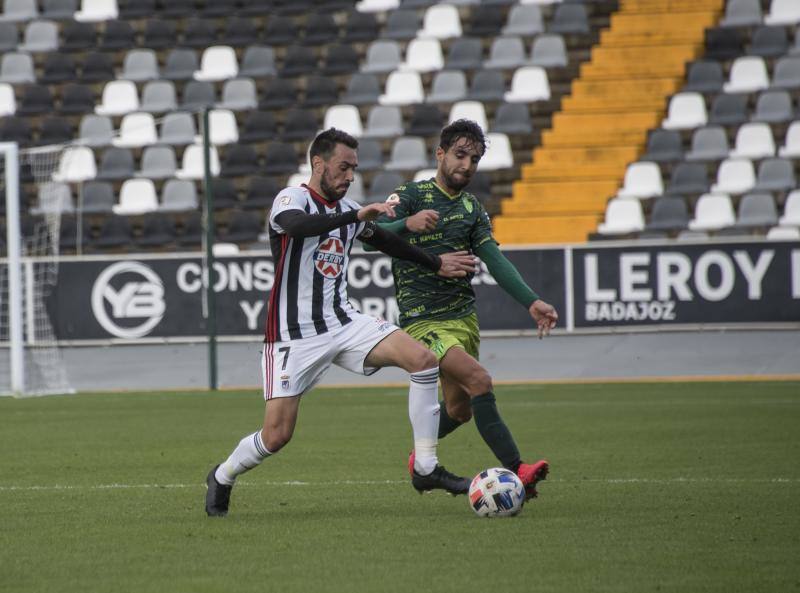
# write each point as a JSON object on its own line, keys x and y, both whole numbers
{"x": 57, "y": 487}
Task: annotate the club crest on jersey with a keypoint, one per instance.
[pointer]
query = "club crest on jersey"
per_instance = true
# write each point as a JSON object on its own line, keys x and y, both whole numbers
{"x": 329, "y": 257}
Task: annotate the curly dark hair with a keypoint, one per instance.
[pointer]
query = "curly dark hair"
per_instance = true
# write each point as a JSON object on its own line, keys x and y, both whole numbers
{"x": 325, "y": 143}
{"x": 462, "y": 128}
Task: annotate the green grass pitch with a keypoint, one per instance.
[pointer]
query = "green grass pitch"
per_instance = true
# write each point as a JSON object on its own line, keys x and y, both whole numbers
{"x": 682, "y": 487}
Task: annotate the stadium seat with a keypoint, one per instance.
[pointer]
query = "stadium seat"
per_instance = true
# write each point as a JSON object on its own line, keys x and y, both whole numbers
{"x": 426, "y": 120}
{"x": 157, "y": 231}
{"x": 261, "y": 192}
{"x": 199, "y": 33}
{"x": 299, "y": 61}
{"x": 197, "y": 95}
{"x": 300, "y": 125}
{"x": 791, "y": 210}
{"x": 472, "y": 110}
{"x": 757, "y": 210}
{"x": 225, "y": 194}
{"x": 506, "y": 52}
{"x": 136, "y": 196}
{"x": 498, "y": 153}
{"x": 383, "y": 55}
{"x": 370, "y": 155}
{"x": 570, "y": 19}
{"x": 734, "y": 176}
{"x": 95, "y": 130}
{"x": 622, "y": 217}
{"x": 748, "y": 74}
{"x": 780, "y": 233}
{"x": 180, "y": 64}
{"x": 280, "y": 159}
{"x": 669, "y": 213}
{"x": 55, "y": 130}
{"x": 76, "y": 164}
{"x": 783, "y": 12}
{"x": 217, "y": 63}
{"x": 485, "y": 20}
{"x": 791, "y": 147}
{"x": 97, "y": 10}
{"x": 729, "y": 110}
{"x": 723, "y": 43}
{"x": 786, "y": 74}
{"x": 360, "y": 27}
{"x": 281, "y": 30}
{"x": 754, "y": 141}
{"x": 769, "y": 42}
{"x": 40, "y": 36}
{"x": 642, "y": 180}
{"x": 340, "y": 59}
{"x": 16, "y": 129}
{"x": 239, "y": 95}
{"x": 119, "y": 97}
{"x": 193, "y": 231}
{"x": 36, "y": 99}
{"x": 118, "y": 35}
{"x": 158, "y": 162}
{"x": 425, "y": 174}
{"x": 278, "y": 94}
{"x": 775, "y": 175}
{"x": 402, "y": 88}
{"x": 9, "y": 37}
{"x": 222, "y": 127}
{"x": 709, "y": 144}
{"x": 401, "y": 25}
{"x": 356, "y": 191}
{"x": 688, "y": 179}
{"x": 136, "y": 130}
{"x": 15, "y": 11}
{"x": 52, "y": 198}
{"x": 441, "y": 21}
{"x": 774, "y": 107}
{"x": 192, "y": 163}
{"x": 258, "y": 126}
{"x": 158, "y": 96}
{"x": 712, "y": 212}
{"x": 487, "y": 86}
{"x": 240, "y": 160}
{"x": 97, "y": 197}
{"x": 243, "y": 227}
{"x": 686, "y": 111}
{"x": 383, "y": 185}
{"x": 409, "y": 153}
{"x": 448, "y": 86}
{"x": 321, "y": 29}
{"x": 240, "y": 32}
{"x": 524, "y": 20}
{"x": 160, "y": 34}
{"x": 549, "y": 51}
{"x": 321, "y": 91}
{"x": 343, "y": 117}
{"x": 704, "y": 76}
{"x": 17, "y": 68}
{"x": 529, "y": 84}
{"x": 512, "y": 119}
{"x": 140, "y": 65}
{"x": 663, "y": 146}
{"x": 116, "y": 163}
{"x": 384, "y": 121}
{"x": 57, "y": 68}
{"x": 465, "y": 53}
{"x": 115, "y": 232}
{"x": 258, "y": 61}
{"x": 177, "y": 129}
{"x": 77, "y": 36}
{"x": 77, "y": 99}
{"x": 362, "y": 89}
{"x": 742, "y": 13}
{"x": 423, "y": 55}
{"x": 376, "y": 5}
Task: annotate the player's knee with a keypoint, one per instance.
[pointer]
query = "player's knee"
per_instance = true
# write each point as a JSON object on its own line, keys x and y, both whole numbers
{"x": 276, "y": 439}
{"x": 422, "y": 360}
{"x": 478, "y": 382}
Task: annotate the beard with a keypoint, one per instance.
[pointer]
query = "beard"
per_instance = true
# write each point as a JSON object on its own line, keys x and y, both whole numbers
{"x": 333, "y": 193}
{"x": 455, "y": 183}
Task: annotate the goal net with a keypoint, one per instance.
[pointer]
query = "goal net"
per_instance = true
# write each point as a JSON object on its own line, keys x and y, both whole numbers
{"x": 30, "y": 360}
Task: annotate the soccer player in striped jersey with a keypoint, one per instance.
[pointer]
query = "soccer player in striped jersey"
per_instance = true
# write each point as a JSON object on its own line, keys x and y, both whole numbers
{"x": 311, "y": 323}
{"x": 440, "y": 312}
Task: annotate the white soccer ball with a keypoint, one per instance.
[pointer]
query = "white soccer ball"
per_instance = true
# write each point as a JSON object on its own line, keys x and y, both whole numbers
{"x": 496, "y": 492}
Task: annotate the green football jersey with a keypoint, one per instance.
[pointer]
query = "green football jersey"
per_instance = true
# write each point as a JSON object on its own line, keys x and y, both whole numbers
{"x": 463, "y": 226}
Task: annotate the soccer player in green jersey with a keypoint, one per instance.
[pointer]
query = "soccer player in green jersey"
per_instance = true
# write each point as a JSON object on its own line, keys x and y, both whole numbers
{"x": 439, "y": 216}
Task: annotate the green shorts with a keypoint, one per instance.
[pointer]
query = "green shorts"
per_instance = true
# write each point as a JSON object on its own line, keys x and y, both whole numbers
{"x": 441, "y": 335}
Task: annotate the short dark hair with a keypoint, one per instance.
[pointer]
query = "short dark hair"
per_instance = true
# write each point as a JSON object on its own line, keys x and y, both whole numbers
{"x": 325, "y": 143}
{"x": 462, "y": 128}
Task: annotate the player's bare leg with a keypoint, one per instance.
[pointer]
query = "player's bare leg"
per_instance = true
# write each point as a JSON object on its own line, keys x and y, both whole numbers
{"x": 467, "y": 391}
{"x": 401, "y": 350}
{"x": 280, "y": 419}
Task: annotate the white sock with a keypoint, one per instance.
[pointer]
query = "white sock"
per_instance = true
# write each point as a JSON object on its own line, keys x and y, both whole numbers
{"x": 249, "y": 453}
{"x": 423, "y": 410}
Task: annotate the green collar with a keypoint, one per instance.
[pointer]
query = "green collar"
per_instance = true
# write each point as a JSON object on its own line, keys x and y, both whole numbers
{"x": 439, "y": 187}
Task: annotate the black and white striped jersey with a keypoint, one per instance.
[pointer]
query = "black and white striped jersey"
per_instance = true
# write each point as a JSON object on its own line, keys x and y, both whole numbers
{"x": 309, "y": 296}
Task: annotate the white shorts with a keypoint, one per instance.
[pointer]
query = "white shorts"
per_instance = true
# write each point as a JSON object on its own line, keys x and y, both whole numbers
{"x": 293, "y": 367}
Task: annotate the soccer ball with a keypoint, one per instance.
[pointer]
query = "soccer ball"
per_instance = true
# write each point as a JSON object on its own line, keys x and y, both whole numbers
{"x": 496, "y": 492}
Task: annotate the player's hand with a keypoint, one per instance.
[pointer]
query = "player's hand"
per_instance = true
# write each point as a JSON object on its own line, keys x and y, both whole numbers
{"x": 373, "y": 211}
{"x": 422, "y": 221}
{"x": 544, "y": 315}
{"x": 458, "y": 264}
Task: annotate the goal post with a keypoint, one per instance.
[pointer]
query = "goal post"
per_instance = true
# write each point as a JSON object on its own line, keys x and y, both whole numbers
{"x": 30, "y": 359}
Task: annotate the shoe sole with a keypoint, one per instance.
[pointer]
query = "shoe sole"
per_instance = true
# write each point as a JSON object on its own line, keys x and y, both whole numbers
{"x": 539, "y": 476}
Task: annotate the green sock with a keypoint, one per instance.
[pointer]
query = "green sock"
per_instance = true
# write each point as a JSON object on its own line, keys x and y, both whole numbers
{"x": 446, "y": 423}
{"x": 494, "y": 431}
